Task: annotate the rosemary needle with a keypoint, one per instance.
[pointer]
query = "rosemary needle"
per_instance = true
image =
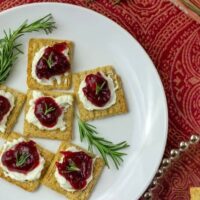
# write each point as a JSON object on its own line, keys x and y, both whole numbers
{"x": 191, "y": 6}
{"x": 105, "y": 147}
{"x": 21, "y": 159}
{"x": 9, "y": 49}
{"x": 48, "y": 110}
{"x": 114, "y": 1}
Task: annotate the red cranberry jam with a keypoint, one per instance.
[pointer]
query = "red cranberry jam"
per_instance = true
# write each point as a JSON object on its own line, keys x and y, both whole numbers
{"x": 53, "y": 62}
{"x": 22, "y": 158}
{"x": 76, "y": 168}
{"x": 4, "y": 106}
{"x": 96, "y": 89}
{"x": 47, "y": 111}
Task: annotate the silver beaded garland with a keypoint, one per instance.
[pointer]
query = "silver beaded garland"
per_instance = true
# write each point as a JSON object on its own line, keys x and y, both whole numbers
{"x": 166, "y": 162}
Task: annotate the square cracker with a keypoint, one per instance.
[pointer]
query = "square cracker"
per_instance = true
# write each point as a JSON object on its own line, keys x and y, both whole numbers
{"x": 50, "y": 181}
{"x": 29, "y": 185}
{"x": 118, "y": 108}
{"x": 195, "y": 193}
{"x": 35, "y": 44}
{"x": 20, "y": 98}
{"x": 33, "y": 131}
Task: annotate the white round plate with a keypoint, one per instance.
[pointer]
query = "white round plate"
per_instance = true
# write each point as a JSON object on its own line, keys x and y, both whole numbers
{"x": 99, "y": 41}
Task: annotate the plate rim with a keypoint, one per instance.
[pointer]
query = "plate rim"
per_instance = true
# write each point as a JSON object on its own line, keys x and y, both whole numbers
{"x": 128, "y": 34}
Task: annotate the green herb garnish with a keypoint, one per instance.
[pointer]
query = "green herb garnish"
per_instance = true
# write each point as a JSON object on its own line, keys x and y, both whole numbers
{"x": 49, "y": 61}
{"x": 99, "y": 88}
{"x": 22, "y": 158}
{"x": 9, "y": 49}
{"x": 105, "y": 147}
{"x": 114, "y": 1}
{"x": 48, "y": 110}
{"x": 117, "y": 2}
{"x": 72, "y": 167}
{"x": 191, "y": 6}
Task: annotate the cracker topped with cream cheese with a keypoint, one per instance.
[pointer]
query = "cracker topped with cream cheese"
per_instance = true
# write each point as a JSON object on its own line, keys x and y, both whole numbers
{"x": 99, "y": 93}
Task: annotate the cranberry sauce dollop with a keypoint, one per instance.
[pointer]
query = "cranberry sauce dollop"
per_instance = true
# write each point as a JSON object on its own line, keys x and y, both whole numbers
{"x": 53, "y": 62}
{"x": 96, "y": 89}
{"x": 81, "y": 162}
{"x": 4, "y": 106}
{"x": 47, "y": 111}
{"x": 22, "y": 158}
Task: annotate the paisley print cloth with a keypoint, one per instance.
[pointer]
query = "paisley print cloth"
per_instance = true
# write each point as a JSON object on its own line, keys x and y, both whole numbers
{"x": 172, "y": 39}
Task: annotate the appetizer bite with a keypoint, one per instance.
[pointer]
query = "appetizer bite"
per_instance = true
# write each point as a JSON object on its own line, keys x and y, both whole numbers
{"x": 73, "y": 172}
{"x": 23, "y": 162}
{"x": 11, "y": 102}
{"x": 99, "y": 93}
{"x": 49, "y": 64}
{"x": 49, "y": 115}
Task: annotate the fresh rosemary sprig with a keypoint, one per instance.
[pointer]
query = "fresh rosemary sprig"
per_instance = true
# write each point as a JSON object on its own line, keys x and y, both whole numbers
{"x": 21, "y": 159}
{"x": 105, "y": 147}
{"x": 114, "y": 1}
{"x": 99, "y": 88}
{"x": 48, "y": 110}
{"x": 190, "y": 5}
{"x": 117, "y": 2}
{"x": 49, "y": 61}
{"x": 9, "y": 49}
{"x": 72, "y": 167}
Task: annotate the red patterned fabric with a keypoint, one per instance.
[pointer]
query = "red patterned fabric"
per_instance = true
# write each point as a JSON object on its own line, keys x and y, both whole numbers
{"x": 172, "y": 40}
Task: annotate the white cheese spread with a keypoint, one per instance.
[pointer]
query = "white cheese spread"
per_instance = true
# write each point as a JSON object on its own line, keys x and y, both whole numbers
{"x": 88, "y": 105}
{"x": 65, "y": 184}
{"x": 30, "y": 176}
{"x": 63, "y": 101}
{"x": 11, "y": 99}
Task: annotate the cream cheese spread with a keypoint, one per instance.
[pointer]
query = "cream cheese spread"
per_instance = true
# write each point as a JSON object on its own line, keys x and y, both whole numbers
{"x": 63, "y": 101}
{"x": 30, "y": 176}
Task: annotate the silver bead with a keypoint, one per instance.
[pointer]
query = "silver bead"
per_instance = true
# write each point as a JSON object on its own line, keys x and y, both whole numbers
{"x": 155, "y": 182}
{"x": 183, "y": 146}
{"x": 153, "y": 185}
{"x": 174, "y": 153}
{"x": 159, "y": 173}
{"x": 148, "y": 195}
{"x": 194, "y": 139}
{"x": 166, "y": 162}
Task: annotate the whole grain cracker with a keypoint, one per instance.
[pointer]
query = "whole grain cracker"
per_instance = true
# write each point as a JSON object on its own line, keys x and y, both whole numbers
{"x": 33, "y": 131}
{"x": 20, "y": 98}
{"x": 29, "y": 185}
{"x": 35, "y": 44}
{"x": 51, "y": 182}
{"x": 118, "y": 108}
